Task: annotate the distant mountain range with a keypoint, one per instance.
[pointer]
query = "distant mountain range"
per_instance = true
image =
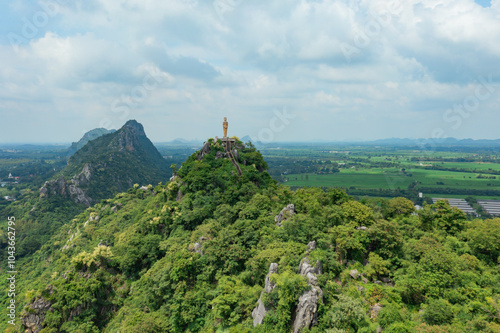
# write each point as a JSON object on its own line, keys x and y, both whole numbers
{"x": 183, "y": 142}
{"x": 390, "y": 142}
{"x": 438, "y": 142}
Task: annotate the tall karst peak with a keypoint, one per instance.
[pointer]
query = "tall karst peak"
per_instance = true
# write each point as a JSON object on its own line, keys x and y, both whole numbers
{"x": 111, "y": 163}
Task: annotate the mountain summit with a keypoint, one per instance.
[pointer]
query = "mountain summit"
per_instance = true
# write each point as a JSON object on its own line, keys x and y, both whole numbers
{"x": 110, "y": 164}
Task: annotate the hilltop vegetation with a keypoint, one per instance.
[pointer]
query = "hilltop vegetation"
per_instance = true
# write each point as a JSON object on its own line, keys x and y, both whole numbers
{"x": 192, "y": 255}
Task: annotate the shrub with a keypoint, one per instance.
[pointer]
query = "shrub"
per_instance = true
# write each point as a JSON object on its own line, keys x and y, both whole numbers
{"x": 438, "y": 312}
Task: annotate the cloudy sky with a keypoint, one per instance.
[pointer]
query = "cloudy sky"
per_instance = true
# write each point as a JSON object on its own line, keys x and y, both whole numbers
{"x": 280, "y": 70}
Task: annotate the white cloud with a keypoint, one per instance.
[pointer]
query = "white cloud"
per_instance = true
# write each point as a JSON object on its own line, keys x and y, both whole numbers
{"x": 417, "y": 59}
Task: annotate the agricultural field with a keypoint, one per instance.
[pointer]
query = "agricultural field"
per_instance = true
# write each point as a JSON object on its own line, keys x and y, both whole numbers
{"x": 389, "y": 171}
{"x": 371, "y": 170}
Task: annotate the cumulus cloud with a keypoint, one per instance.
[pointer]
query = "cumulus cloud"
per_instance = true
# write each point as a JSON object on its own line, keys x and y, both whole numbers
{"x": 366, "y": 69}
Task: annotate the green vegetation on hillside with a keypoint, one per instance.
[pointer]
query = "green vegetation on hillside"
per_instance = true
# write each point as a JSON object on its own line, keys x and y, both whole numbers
{"x": 102, "y": 168}
{"x": 192, "y": 255}
{"x": 109, "y": 155}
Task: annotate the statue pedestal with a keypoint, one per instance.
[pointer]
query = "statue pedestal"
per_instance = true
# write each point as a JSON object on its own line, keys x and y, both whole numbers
{"x": 227, "y": 142}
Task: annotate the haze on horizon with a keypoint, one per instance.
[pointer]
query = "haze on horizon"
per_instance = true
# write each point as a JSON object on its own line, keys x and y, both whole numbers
{"x": 279, "y": 70}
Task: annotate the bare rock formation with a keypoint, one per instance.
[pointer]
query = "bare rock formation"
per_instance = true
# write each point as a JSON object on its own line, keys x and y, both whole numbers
{"x": 284, "y": 215}
{"x": 259, "y": 313}
{"x": 204, "y": 151}
{"x": 69, "y": 188}
{"x": 306, "y": 314}
{"x": 33, "y": 316}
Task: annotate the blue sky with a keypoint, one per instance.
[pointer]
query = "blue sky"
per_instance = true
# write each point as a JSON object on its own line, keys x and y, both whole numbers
{"x": 484, "y": 3}
{"x": 279, "y": 70}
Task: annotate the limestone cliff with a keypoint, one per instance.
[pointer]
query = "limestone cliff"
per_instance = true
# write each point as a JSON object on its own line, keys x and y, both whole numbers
{"x": 259, "y": 313}
{"x": 33, "y": 314}
{"x": 71, "y": 188}
{"x": 306, "y": 314}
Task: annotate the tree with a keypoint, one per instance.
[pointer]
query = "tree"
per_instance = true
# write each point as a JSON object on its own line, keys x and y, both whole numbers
{"x": 377, "y": 266}
{"x": 450, "y": 219}
{"x": 438, "y": 312}
{"x": 346, "y": 313}
{"x": 484, "y": 238}
{"x": 349, "y": 242}
{"x": 400, "y": 207}
{"x": 357, "y": 212}
{"x": 386, "y": 239}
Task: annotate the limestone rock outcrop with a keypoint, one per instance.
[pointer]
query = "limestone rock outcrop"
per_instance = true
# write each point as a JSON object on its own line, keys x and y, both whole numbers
{"x": 306, "y": 314}
{"x": 259, "y": 313}
{"x": 375, "y": 309}
{"x": 69, "y": 188}
{"x": 235, "y": 148}
{"x": 32, "y": 318}
{"x": 204, "y": 151}
{"x": 285, "y": 214}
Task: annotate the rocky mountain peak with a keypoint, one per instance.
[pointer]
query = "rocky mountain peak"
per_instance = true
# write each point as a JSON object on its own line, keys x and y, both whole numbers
{"x": 130, "y": 135}
{"x": 135, "y": 127}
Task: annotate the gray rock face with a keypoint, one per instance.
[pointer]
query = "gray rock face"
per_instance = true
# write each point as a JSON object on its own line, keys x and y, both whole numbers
{"x": 204, "y": 151}
{"x": 354, "y": 273}
{"x": 273, "y": 269}
{"x": 128, "y": 134}
{"x": 374, "y": 310}
{"x": 259, "y": 313}
{"x": 236, "y": 154}
{"x": 220, "y": 154}
{"x": 32, "y": 321}
{"x": 197, "y": 247}
{"x": 310, "y": 272}
{"x": 70, "y": 188}
{"x": 285, "y": 214}
{"x": 306, "y": 314}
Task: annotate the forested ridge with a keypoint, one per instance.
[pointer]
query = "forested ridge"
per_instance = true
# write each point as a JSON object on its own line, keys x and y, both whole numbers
{"x": 194, "y": 255}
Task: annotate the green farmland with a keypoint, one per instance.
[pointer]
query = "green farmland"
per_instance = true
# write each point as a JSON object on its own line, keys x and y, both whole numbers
{"x": 388, "y": 171}
{"x": 390, "y": 179}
